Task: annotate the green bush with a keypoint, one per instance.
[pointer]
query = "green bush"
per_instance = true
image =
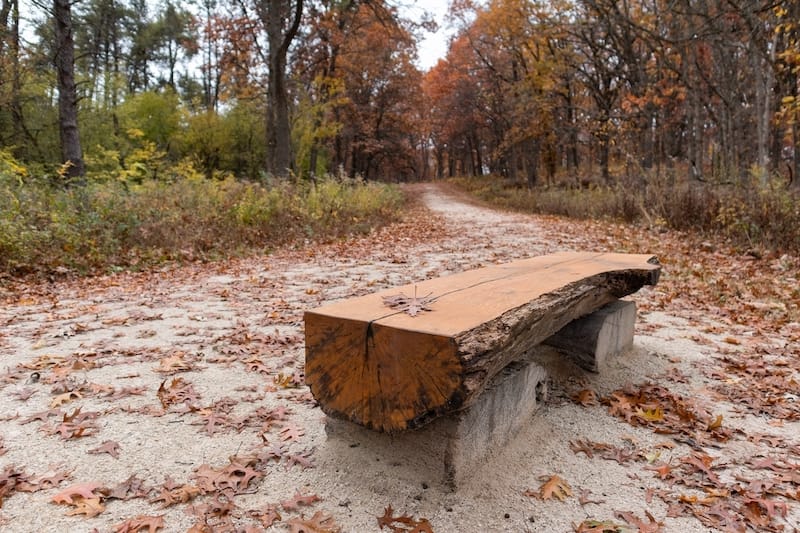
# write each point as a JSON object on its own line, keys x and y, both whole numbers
{"x": 114, "y": 223}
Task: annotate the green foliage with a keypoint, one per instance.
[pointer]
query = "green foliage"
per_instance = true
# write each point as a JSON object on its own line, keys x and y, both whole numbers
{"x": 119, "y": 223}
{"x": 225, "y": 143}
{"x": 313, "y": 124}
{"x": 156, "y": 114}
{"x": 751, "y": 217}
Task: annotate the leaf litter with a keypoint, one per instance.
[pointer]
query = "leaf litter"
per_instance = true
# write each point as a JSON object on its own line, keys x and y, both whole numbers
{"x": 215, "y": 385}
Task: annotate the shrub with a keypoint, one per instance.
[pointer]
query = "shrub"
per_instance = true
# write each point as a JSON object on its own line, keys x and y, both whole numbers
{"x": 120, "y": 224}
{"x": 749, "y": 216}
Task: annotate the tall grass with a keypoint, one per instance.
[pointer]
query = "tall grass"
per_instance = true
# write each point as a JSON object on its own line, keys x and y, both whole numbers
{"x": 111, "y": 224}
{"x": 753, "y": 217}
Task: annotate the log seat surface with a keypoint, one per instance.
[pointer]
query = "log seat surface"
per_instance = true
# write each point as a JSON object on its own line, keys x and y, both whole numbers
{"x": 388, "y": 371}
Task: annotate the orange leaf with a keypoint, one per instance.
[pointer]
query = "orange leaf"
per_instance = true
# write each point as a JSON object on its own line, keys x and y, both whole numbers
{"x": 554, "y": 487}
{"x": 90, "y": 507}
{"x": 715, "y": 424}
{"x": 586, "y": 397}
{"x": 84, "y": 491}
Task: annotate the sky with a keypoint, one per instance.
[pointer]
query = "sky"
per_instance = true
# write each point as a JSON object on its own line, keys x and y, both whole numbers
{"x": 434, "y": 45}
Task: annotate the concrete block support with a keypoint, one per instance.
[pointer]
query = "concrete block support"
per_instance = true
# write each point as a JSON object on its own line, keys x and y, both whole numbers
{"x": 594, "y": 339}
{"x": 456, "y": 446}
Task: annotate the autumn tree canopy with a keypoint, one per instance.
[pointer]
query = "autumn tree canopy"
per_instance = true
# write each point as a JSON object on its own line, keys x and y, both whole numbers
{"x": 535, "y": 91}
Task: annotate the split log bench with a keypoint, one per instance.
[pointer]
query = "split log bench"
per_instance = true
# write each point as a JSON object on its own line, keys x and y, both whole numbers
{"x": 463, "y": 361}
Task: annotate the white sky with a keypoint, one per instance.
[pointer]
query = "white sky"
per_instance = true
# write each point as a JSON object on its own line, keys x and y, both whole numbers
{"x": 434, "y": 45}
{"x": 430, "y": 49}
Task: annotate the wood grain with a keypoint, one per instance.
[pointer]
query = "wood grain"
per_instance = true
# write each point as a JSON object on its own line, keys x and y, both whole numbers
{"x": 389, "y": 371}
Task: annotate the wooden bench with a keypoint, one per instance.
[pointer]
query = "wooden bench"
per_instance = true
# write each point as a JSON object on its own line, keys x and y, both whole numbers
{"x": 388, "y": 371}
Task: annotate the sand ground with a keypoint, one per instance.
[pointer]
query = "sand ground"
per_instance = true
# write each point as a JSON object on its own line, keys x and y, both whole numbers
{"x": 234, "y": 332}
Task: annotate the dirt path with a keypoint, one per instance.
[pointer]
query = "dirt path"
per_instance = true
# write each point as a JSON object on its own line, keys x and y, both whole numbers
{"x": 191, "y": 378}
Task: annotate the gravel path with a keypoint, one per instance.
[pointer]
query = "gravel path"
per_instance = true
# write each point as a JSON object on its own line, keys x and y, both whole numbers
{"x": 190, "y": 379}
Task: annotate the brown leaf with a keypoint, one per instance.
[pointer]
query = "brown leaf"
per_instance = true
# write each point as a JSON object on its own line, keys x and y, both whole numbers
{"x": 267, "y": 516}
{"x": 403, "y": 523}
{"x": 594, "y": 526}
{"x": 292, "y": 432}
{"x": 79, "y": 490}
{"x": 133, "y": 487}
{"x": 553, "y": 487}
{"x": 715, "y": 424}
{"x": 23, "y": 395}
{"x": 66, "y": 397}
{"x": 585, "y": 397}
{"x": 663, "y": 470}
{"x": 182, "y": 494}
{"x": 652, "y": 526}
{"x": 135, "y": 525}
{"x": 298, "y": 499}
{"x": 174, "y": 363}
{"x": 236, "y": 476}
{"x": 45, "y": 481}
{"x": 303, "y": 459}
{"x": 587, "y": 447}
{"x": 409, "y": 305}
{"x": 90, "y": 507}
{"x": 110, "y": 447}
{"x": 321, "y": 522}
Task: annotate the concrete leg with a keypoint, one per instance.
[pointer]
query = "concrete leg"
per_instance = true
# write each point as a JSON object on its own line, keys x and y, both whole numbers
{"x": 456, "y": 446}
{"x": 594, "y": 339}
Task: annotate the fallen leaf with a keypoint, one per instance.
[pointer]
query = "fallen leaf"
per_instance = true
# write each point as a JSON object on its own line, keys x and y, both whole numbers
{"x": 321, "y": 522}
{"x": 297, "y": 500}
{"x": 67, "y": 397}
{"x": 554, "y": 487}
{"x": 174, "y": 363}
{"x": 585, "y": 397}
{"x": 79, "y": 490}
{"x": 594, "y": 526}
{"x": 90, "y": 507}
{"x": 267, "y": 516}
{"x": 182, "y": 494}
{"x": 403, "y": 523}
{"x": 651, "y": 526}
{"x": 110, "y": 447}
{"x": 135, "y": 525}
{"x": 409, "y": 305}
{"x": 715, "y": 424}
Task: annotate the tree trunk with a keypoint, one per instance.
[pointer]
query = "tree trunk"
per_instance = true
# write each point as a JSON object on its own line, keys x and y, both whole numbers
{"x": 71, "y": 154}
{"x": 272, "y": 14}
{"x": 531, "y": 162}
{"x": 605, "y": 148}
{"x": 389, "y": 371}
{"x": 764, "y": 79}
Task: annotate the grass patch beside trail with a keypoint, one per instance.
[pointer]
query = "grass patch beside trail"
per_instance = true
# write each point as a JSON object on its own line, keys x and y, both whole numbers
{"x": 112, "y": 225}
{"x": 749, "y": 217}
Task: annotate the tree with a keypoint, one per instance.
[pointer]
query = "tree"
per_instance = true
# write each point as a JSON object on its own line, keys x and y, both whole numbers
{"x": 11, "y": 72}
{"x": 788, "y": 88}
{"x": 71, "y": 153}
{"x": 281, "y": 20}
{"x": 176, "y": 33}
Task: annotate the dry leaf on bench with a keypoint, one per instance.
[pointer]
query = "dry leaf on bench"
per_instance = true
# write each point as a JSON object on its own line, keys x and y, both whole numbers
{"x": 412, "y": 306}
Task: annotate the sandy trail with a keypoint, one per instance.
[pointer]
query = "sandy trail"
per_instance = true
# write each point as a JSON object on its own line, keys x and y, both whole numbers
{"x": 233, "y": 331}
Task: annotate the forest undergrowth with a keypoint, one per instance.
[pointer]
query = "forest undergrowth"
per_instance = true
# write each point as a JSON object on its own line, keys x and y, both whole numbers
{"x": 106, "y": 225}
{"x": 755, "y": 219}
